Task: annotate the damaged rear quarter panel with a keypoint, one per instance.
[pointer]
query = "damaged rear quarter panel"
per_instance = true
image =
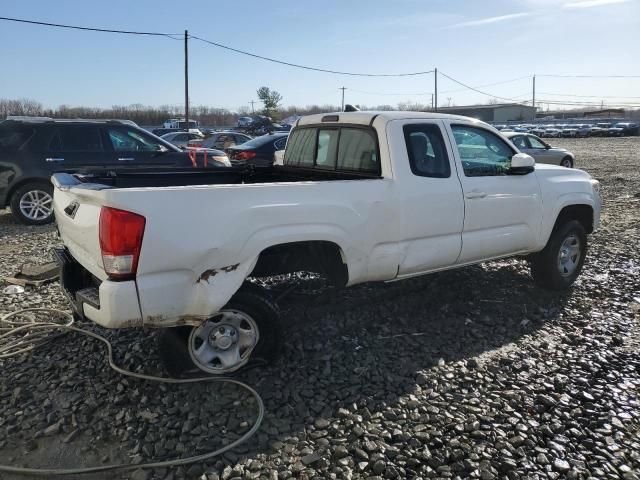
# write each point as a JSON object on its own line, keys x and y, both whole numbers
{"x": 173, "y": 299}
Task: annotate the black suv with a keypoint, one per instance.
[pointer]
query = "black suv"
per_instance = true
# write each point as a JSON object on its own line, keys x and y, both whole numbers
{"x": 32, "y": 149}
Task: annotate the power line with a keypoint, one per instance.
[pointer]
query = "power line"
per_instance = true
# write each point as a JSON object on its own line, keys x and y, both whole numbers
{"x": 586, "y": 96}
{"x": 587, "y": 76}
{"x": 398, "y": 94}
{"x": 92, "y": 29}
{"x": 480, "y": 91}
{"x": 489, "y": 84}
{"x": 590, "y": 104}
{"x": 305, "y": 67}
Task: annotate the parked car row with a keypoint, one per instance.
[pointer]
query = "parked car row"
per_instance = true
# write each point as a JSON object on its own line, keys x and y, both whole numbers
{"x": 601, "y": 129}
{"x": 240, "y": 148}
{"x": 32, "y": 149}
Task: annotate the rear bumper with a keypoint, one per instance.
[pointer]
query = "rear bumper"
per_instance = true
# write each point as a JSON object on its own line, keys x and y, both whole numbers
{"x": 109, "y": 304}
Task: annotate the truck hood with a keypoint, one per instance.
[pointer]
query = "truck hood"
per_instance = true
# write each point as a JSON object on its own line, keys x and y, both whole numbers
{"x": 544, "y": 170}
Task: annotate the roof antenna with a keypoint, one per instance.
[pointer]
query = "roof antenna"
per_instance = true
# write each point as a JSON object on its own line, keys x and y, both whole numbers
{"x": 351, "y": 108}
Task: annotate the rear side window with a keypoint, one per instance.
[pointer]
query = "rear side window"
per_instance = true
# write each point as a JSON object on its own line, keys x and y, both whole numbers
{"x": 338, "y": 148}
{"x": 12, "y": 138}
{"x": 76, "y": 139}
{"x": 301, "y": 148}
{"x": 427, "y": 151}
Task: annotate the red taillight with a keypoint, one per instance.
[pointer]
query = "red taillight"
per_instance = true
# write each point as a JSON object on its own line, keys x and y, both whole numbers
{"x": 244, "y": 155}
{"x": 195, "y": 145}
{"x": 120, "y": 242}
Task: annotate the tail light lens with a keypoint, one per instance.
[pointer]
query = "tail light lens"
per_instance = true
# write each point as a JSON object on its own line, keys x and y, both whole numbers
{"x": 120, "y": 242}
{"x": 245, "y": 155}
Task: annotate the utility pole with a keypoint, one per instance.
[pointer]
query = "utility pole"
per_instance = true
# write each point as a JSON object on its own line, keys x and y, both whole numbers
{"x": 343, "y": 89}
{"x": 432, "y": 101}
{"x": 186, "y": 78}
{"x": 435, "y": 91}
{"x": 533, "y": 101}
{"x": 252, "y": 109}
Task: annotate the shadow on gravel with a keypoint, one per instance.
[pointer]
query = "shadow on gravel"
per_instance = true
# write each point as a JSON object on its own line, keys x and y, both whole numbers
{"x": 366, "y": 348}
{"x": 362, "y": 349}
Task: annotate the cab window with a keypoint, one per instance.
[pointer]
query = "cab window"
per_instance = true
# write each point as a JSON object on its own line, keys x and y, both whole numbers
{"x": 482, "y": 153}
{"x": 345, "y": 148}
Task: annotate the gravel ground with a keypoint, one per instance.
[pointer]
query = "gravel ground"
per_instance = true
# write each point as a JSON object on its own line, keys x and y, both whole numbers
{"x": 473, "y": 373}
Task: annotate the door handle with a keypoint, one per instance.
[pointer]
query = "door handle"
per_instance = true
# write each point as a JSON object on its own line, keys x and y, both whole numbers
{"x": 475, "y": 194}
{"x": 50, "y": 159}
{"x": 126, "y": 159}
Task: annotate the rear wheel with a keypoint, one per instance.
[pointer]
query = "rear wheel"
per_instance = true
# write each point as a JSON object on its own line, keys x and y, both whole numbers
{"x": 559, "y": 264}
{"x": 246, "y": 331}
{"x": 32, "y": 203}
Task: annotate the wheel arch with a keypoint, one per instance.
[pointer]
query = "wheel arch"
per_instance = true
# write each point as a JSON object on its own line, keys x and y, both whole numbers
{"x": 319, "y": 256}
{"x": 580, "y": 212}
{"x": 20, "y": 183}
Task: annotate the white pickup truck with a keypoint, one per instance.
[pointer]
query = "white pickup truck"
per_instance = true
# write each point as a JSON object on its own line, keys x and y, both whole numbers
{"x": 362, "y": 196}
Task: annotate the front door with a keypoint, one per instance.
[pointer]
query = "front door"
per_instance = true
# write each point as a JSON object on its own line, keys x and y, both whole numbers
{"x": 503, "y": 212}
{"x": 538, "y": 150}
{"x": 131, "y": 148}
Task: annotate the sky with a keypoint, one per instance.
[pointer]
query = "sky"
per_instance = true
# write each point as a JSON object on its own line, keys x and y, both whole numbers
{"x": 479, "y": 43}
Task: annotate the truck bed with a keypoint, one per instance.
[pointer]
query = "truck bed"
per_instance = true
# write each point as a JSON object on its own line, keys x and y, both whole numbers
{"x": 180, "y": 177}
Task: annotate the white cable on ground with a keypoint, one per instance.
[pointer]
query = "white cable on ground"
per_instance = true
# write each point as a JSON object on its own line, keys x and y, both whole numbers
{"x": 37, "y": 333}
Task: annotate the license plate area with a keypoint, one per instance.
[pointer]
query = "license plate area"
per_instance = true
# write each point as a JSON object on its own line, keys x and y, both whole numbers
{"x": 78, "y": 285}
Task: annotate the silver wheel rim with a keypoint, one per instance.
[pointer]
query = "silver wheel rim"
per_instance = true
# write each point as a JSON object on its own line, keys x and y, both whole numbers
{"x": 566, "y": 163}
{"x": 224, "y": 343}
{"x": 569, "y": 255}
{"x": 36, "y": 205}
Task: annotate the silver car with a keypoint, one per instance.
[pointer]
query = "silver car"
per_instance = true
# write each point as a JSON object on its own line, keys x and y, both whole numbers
{"x": 541, "y": 151}
{"x": 181, "y": 139}
{"x": 221, "y": 140}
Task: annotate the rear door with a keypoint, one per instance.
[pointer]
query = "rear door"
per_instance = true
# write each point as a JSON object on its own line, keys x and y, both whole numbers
{"x": 131, "y": 148}
{"x": 429, "y": 195}
{"x": 72, "y": 147}
{"x": 503, "y": 212}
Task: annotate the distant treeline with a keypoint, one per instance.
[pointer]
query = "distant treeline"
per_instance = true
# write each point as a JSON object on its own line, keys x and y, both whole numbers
{"x": 147, "y": 115}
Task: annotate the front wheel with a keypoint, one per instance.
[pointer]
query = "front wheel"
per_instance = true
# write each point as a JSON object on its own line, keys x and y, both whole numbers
{"x": 245, "y": 331}
{"x": 566, "y": 162}
{"x": 559, "y": 264}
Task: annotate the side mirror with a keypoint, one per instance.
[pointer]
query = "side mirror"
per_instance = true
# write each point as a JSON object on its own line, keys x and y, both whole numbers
{"x": 521, "y": 164}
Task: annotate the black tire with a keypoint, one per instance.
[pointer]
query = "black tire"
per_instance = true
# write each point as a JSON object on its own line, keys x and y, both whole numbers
{"x": 545, "y": 267}
{"x": 253, "y": 300}
{"x": 568, "y": 160}
{"x": 21, "y": 192}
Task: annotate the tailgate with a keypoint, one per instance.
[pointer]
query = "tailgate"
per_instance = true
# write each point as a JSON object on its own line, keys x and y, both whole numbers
{"x": 77, "y": 210}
